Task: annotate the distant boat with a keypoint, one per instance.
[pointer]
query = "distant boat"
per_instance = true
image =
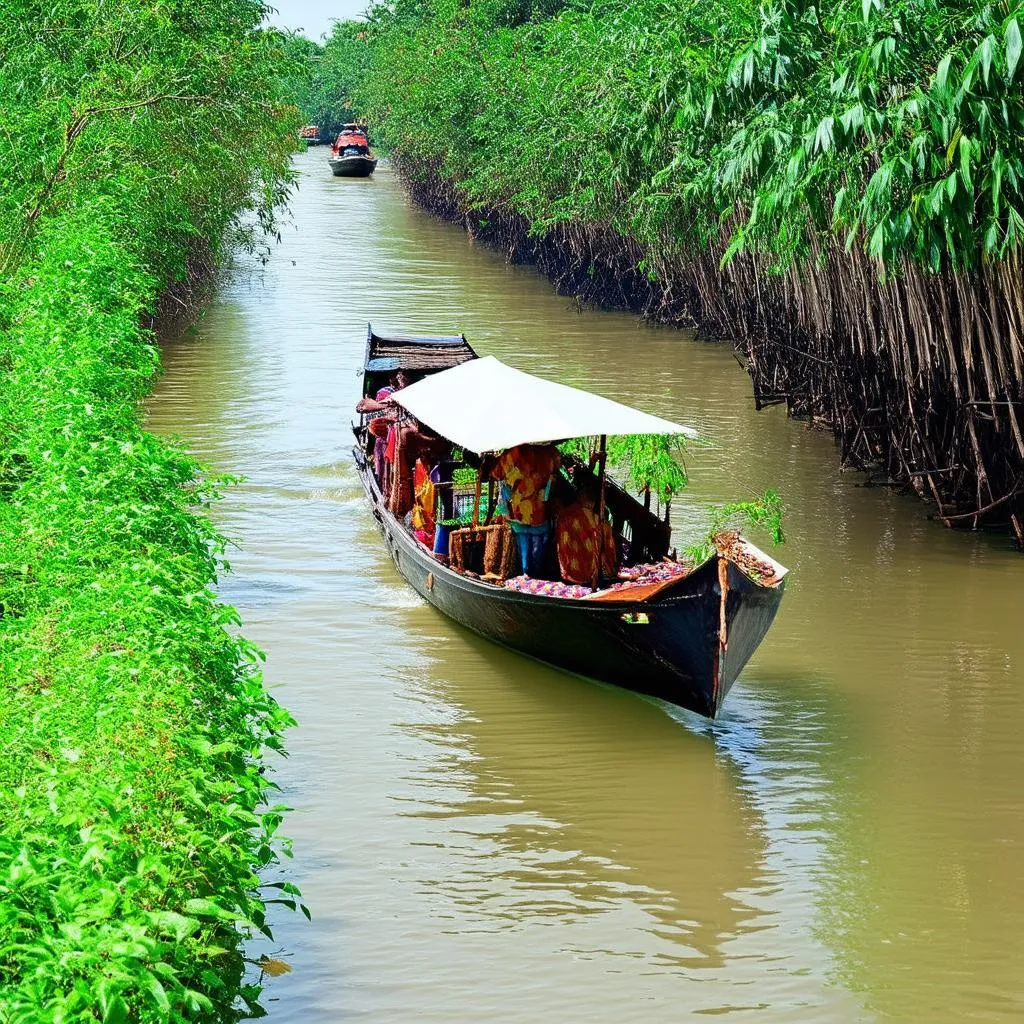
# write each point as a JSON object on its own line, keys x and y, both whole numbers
{"x": 351, "y": 156}
{"x": 683, "y": 638}
{"x": 310, "y": 134}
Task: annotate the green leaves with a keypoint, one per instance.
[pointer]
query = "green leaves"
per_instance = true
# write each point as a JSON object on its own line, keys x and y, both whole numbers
{"x": 668, "y": 123}
{"x": 151, "y": 984}
{"x": 1013, "y": 47}
{"x": 113, "y": 1008}
{"x": 134, "y": 724}
{"x": 986, "y": 50}
{"x": 823, "y": 136}
{"x": 764, "y": 513}
{"x": 853, "y": 119}
{"x": 644, "y": 462}
{"x": 208, "y": 908}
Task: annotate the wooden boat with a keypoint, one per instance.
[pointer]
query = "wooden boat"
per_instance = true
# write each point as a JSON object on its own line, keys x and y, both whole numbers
{"x": 684, "y": 641}
{"x": 351, "y": 156}
{"x": 310, "y": 134}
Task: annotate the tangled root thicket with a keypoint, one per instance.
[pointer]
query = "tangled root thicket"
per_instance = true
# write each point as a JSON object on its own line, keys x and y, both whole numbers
{"x": 919, "y": 376}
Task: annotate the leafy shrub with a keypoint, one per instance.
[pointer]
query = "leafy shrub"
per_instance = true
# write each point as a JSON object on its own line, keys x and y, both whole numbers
{"x": 134, "y": 723}
{"x": 135, "y": 810}
{"x": 893, "y": 126}
{"x": 765, "y": 512}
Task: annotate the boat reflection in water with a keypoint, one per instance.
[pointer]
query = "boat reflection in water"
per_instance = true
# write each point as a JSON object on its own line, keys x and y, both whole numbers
{"x": 563, "y": 817}
{"x": 682, "y": 637}
{"x": 552, "y": 813}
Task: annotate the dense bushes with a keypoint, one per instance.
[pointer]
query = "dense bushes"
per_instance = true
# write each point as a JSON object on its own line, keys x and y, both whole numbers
{"x": 321, "y": 78}
{"x": 895, "y": 123}
{"x": 840, "y": 188}
{"x": 133, "y": 816}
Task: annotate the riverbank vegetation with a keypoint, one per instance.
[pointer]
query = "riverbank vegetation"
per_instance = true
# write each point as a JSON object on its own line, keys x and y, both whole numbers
{"x": 838, "y": 189}
{"x": 134, "y": 813}
{"x": 321, "y": 78}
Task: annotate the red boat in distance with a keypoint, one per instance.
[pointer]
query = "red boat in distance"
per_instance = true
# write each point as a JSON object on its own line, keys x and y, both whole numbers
{"x": 351, "y": 156}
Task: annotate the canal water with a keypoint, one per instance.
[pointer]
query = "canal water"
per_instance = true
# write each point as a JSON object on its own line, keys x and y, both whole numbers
{"x": 481, "y": 838}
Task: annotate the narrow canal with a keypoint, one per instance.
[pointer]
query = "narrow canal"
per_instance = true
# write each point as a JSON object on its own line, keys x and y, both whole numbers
{"x": 483, "y": 839}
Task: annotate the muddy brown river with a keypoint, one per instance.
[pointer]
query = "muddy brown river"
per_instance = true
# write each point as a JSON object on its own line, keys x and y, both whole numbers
{"x": 481, "y": 838}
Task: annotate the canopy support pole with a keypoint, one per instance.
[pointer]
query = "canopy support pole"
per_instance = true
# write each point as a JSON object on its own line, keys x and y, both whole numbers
{"x": 490, "y": 501}
{"x": 602, "y": 460}
{"x": 476, "y": 498}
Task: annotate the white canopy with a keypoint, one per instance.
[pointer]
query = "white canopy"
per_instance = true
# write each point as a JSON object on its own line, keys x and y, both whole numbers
{"x": 486, "y": 406}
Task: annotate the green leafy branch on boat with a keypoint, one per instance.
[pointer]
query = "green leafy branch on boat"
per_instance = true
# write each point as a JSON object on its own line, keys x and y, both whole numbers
{"x": 653, "y": 462}
{"x": 763, "y": 513}
{"x": 645, "y": 462}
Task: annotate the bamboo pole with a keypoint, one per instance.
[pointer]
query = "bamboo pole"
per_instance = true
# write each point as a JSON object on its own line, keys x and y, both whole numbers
{"x": 602, "y": 460}
{"x": 476, "y": 498}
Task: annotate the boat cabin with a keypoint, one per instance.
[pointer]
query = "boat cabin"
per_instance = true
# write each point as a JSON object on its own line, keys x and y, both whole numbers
{"x": 415, "y": 355}
{"x": 352, "y": 140}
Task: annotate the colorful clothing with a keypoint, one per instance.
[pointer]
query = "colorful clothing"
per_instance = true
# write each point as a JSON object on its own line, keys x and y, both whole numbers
{"x": 526, "y": 472}
{"x": 576, "y": 537}
{"x": 425, "y": 501}
{"x": 378, "y": 426}
{"x": 400, "y": 499}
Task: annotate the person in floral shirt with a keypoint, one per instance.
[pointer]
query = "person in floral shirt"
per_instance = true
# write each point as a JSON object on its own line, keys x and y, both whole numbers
{"x": 525, "y": 474}
{"x": 579, "y": 535}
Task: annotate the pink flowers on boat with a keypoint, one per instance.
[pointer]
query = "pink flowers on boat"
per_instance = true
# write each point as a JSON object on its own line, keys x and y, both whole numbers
{"x": 649, "y": 572}
{"x": 546, "y": 588}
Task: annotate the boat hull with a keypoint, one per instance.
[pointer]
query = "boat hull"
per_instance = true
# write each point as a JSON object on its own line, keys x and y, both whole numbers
{"x": 667, "y": 647}
{"x": 352, "y": 166}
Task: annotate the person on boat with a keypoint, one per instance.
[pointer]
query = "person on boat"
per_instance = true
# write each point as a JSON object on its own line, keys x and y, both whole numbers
{"x": 408, "y": 441}
{"x": 524, "y": 474}
{"x": 381, "y": 405}
{"x": 400, "y": 440}
{"x": 580, "y": 536}
{"x": 382, "y": 416}
{"x": 424, "y": 509}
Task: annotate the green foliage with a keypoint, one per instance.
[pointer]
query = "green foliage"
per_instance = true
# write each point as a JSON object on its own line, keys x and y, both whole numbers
{"x": 169, "y": 113}
{"x": 135, "y": 813}
{"x": 323, "y": 78}
{"x": 776, "y": 129}
{"x": 302, "y": 61}
{"x": 644, "y": 462}
{"x": 765, "y": 513}
{"x": 654, "y": 462}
